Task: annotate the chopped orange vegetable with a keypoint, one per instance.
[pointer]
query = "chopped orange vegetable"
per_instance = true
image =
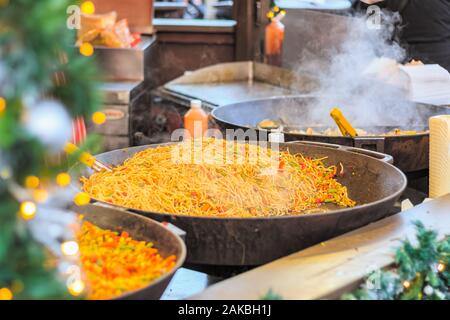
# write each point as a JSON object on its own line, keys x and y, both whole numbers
{"x": 115, "y": 264}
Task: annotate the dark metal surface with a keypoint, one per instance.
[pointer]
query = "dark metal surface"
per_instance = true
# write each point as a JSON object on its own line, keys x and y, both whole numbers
{"x": 374, "y": 184}
{"x": 215, "y": 85}
{"x": 140, "y": 228}
{"x": 227, "y": 83}
{"x": 226, "y": 93}
{"x": 410, "y": 152}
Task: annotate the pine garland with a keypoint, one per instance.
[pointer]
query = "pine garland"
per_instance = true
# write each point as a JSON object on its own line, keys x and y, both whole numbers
{"x": 421, "y": 272}
{"x": 36, "y": 48}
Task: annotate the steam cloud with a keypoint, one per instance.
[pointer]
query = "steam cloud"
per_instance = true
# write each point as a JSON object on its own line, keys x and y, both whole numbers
{"x": 344, "y": 83}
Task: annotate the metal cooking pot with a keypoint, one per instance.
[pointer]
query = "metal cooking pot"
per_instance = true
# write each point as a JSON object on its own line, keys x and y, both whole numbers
{"x": 371, "y": 181}
{"x": 144, "y": 229}
{"x": 410, "y": 152}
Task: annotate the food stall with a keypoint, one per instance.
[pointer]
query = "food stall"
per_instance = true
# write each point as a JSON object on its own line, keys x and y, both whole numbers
{"x": 169, "y": 158}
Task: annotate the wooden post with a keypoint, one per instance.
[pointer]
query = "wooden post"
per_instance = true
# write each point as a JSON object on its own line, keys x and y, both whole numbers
{"x": 250, "y": 16}
{"x": 244, "y": 12}
{"x": 263, "y": 7}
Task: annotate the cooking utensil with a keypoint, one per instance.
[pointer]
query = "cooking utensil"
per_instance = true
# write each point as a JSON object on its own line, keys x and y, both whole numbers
{"x": 344, "y": 126}
{"x": 87, "y": 158}
{"x": 372, "y": 182}
{"x": 140, "y": 228}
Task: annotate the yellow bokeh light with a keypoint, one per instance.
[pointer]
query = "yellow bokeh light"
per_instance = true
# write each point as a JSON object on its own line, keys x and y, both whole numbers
{"x": 81, "y": 199}
{"x": 406, "y": 284}
{"x": 70, "y": 148}
{"x": 4, "y": 3}
{"x": 276, "y": 9}
{"x": 27, "y": 210}
{"x": 2, "y": 103}
{"x": 6, "y": 294}
{"x": 87, "y": 159}
{"x": 5, "y": 173}
{"x": 98, "y": 117}
{"x": 86, "y": 49}
{"x": 76, "y": 288}
{"x": 63, "y": 179}
{"x": 270, "y": 15}
{"x": 441, "y": 267}
{"x": 69, "y": 248}
{"x": 31, "y": 182}
{"x": 40, "y": 195}
{"x": 88, "y": 7}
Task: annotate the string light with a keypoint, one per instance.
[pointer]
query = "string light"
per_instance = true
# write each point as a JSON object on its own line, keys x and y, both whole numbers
{"x": 428, "y": 290}
{"x": 5, "y": 173}
{"x": 275, "y": 11}
{"x": 406, "y": 284}
{"x": 70, "y": 148}
{"x": 98, "y": 117}
{"x": 87, "y": 159}
{"x": 81, "y": 199}
{"x": 76, "y": 288}
{"x": 31, "y": 182}
{"x": 6, "y": 294}
{"x": 441, "y": 267}
{"x": 63, "y": 179}
{"x": 86, "y": 49}
{"x": 88, "y": 7}
{"x": 40, "y": 195}
{"x": 69, "y": 248}
{"x": 27, "y": 210}
{"x": 2, "y": 104}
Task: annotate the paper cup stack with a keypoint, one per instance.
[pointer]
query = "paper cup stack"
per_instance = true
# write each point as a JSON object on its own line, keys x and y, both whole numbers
{"x": 439, "y": 156}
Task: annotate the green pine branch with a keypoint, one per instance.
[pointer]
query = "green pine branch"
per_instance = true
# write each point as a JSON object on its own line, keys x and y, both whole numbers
{"x": 35, "y": 45}
{"x": 415, "y": 275}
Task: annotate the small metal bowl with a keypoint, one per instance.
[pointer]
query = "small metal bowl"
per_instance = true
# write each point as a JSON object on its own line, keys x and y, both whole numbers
{"x": 143, "y": 229}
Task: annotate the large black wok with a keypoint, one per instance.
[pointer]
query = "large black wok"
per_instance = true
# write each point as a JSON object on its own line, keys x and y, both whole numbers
{"x": 140, "y": 228}
{"x": 410, "y": 152}
{"x": 371, "y": 181}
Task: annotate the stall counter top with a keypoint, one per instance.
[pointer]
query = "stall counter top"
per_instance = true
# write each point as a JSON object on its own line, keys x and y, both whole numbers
{"x": 194, "y": 25}
{"x": 337, "y": 266}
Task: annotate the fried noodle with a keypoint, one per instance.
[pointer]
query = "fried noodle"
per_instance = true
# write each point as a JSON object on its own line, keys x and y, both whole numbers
{"x": 252, "y": 184}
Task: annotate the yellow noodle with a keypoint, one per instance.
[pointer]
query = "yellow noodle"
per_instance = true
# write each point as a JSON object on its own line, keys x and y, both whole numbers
{"x": 255, "y": 186}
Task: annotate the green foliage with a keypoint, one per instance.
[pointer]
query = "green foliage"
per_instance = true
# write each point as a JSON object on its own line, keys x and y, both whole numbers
{"x": 271, "y": 295}
{"x": 388, "y": 283}
{"x": 415, "y": 275}
{"x": 38, "y": 57}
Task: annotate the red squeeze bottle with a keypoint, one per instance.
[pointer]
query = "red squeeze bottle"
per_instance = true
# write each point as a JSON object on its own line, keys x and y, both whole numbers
{"x": 274, "y": 42}
{"x": 196, "y": 121}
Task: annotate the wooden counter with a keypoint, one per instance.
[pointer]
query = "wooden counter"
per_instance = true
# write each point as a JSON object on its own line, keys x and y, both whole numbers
{"x": 330, "y": 269}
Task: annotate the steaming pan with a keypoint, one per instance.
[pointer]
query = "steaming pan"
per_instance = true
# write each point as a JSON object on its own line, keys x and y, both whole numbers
{"x": 371, "y": 181}
{"x": 410, "y": 152}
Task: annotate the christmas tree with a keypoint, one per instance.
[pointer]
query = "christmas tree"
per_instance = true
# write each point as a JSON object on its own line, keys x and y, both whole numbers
{"x": 45, "y": 82}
